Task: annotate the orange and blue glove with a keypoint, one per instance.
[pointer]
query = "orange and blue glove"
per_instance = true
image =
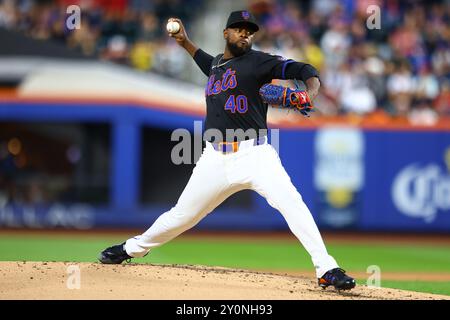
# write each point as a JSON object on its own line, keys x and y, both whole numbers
{"x": 280, "y": 96}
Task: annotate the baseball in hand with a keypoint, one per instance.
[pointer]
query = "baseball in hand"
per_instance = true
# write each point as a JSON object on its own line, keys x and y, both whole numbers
{"x": 173, "y": 27}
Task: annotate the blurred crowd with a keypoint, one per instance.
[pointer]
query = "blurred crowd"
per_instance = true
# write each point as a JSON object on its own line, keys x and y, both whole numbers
{"x": 401, "y": 68}
{"x": 127, "y": 32}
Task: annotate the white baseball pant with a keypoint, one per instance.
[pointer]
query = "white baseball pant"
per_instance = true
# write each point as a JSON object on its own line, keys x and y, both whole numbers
{"x": 215, "y": 177}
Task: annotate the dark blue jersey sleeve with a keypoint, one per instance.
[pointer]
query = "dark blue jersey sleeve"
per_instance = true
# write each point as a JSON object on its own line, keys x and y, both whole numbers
{"x": 269, "y": 67}
{"x": 204, "y": 61}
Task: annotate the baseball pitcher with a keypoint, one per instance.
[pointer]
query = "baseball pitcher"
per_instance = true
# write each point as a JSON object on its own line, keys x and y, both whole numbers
{"x": 238, "y": 92}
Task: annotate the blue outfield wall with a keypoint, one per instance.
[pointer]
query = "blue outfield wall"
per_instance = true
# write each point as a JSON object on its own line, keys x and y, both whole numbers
{"x": 350, "y": 178}
{"x": 408, "y": 181}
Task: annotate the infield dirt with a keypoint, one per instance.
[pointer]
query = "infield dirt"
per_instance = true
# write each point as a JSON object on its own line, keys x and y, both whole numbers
{"x": 52, "y": 280}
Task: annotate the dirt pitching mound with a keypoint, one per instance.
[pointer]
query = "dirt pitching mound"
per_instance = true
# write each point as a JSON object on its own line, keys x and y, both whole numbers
{"x": 59, "y": 280}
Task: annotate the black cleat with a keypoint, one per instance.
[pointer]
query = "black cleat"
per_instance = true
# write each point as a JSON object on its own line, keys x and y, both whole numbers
{"x": 337, "y": 278}
{"x": 114, "y": 255}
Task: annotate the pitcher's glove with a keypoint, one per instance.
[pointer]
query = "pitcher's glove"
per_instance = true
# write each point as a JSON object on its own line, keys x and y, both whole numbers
{"x": 284, "y": 97}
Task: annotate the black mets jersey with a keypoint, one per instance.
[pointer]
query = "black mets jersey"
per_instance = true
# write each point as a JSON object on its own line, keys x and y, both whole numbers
{"x": 232, "y": 91}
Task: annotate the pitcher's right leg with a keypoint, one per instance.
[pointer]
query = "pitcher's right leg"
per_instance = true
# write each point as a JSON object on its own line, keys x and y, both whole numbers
{"x": 207, "y": 188}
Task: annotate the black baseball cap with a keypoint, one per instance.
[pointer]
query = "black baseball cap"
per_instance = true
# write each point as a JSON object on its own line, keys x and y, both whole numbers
{"x": 243, "y": 16}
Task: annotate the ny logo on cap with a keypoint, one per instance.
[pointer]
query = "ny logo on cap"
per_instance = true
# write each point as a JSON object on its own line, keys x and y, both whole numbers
{"x": 245, "y": 15}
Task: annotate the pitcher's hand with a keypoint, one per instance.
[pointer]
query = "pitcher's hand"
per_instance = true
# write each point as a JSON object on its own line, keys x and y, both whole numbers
{"x": 181, "y": 36}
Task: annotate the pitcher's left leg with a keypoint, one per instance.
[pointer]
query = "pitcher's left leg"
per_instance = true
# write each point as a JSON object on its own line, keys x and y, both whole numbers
{"x": 272, "y": 182}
